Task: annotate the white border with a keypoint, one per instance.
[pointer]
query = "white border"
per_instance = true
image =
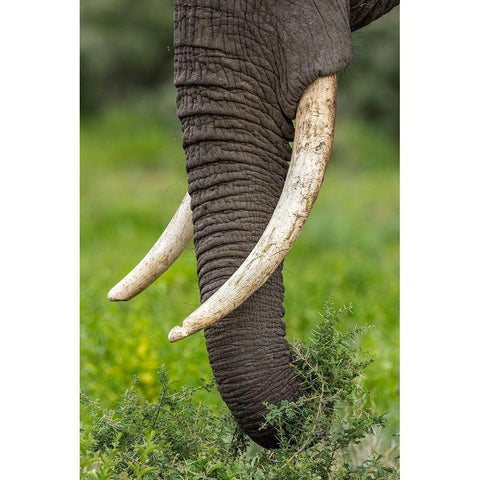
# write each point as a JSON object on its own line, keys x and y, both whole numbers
{"x": 440, "y": 239}
{"x": 39, "y": 197}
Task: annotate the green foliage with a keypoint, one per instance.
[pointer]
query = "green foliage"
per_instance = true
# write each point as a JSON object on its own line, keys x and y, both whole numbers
{"x": 369, "y": 89}
{"x": 324, "y": 435}
{"x": 126, "y": 47}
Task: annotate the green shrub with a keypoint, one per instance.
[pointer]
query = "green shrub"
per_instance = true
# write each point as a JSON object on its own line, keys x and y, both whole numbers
{"x": 330, "y": 433}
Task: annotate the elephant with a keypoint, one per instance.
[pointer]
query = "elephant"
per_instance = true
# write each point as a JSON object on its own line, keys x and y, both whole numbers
{"x": 244, "y": 71}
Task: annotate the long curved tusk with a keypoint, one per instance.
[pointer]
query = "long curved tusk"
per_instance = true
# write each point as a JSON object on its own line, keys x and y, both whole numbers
{"x": 166, "y": 250}
{"x": 311, "y": 150}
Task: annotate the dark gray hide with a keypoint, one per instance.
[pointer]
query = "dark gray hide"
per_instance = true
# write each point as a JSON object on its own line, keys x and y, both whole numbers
{"x": 240, "y": 69}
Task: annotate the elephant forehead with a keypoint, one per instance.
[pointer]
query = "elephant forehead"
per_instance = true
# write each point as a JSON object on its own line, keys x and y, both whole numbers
{"x": 274, "y": 49}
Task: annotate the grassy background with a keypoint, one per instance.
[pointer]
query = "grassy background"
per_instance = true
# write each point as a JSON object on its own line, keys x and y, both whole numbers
{"x": 132, "y": 180}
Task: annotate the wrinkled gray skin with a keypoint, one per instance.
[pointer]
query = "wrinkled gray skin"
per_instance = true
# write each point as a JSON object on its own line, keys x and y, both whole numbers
{"x": 240, "y": 69}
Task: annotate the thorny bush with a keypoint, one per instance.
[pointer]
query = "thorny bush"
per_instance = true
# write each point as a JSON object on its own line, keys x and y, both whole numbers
{"x": 332, "y": 432}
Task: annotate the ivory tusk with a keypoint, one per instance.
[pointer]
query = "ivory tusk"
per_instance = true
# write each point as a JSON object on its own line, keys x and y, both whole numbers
{"x": 166, "y": 250}
{"x": 311, "y": 151}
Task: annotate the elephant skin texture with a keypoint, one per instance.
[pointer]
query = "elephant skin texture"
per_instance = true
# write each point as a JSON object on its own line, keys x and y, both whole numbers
{"x": 241, "y": 67}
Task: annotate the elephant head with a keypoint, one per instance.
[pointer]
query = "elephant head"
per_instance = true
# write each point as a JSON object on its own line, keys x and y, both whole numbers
{"x": 244, "y": 70}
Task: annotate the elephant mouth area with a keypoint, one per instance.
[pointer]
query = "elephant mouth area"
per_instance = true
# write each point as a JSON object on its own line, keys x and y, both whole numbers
{"x": 311, "y": 151}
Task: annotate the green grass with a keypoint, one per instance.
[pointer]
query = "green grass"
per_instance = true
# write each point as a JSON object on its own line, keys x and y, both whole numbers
{"x": 132, "y": 180}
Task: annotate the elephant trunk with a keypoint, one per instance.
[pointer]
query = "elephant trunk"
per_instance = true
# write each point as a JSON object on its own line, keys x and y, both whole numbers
{"x": 234, "y": 187}
{"x": 237, "y": 153}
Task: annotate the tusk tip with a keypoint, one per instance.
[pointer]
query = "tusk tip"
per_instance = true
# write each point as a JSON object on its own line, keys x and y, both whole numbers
{"x": 177, "y": 333}
{"x": 116, "y": 295}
